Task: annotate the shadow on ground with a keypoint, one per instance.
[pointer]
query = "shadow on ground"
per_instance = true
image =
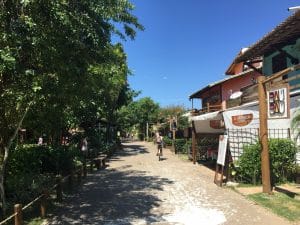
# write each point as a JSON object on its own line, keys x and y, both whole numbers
{"x": 111, "y": 195}
{"x": 129, "y": 150}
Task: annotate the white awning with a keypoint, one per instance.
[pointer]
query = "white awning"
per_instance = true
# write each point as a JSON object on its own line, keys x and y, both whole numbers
{"x": 209, "y": 123}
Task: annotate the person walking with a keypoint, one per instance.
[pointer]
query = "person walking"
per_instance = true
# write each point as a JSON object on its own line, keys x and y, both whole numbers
{"x": 159, "y": 142}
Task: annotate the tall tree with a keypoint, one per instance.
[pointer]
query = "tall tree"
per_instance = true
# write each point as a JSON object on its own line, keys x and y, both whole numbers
{"x": 139, "y": 113}
{"x": 47, "y": 50}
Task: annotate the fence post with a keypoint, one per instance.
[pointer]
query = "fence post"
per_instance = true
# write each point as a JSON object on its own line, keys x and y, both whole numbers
{"x": 44, "y": 203}
{"x": 84, "y": 169}
{"x": 18, "y": 216}
{"x": 58, "y": 188}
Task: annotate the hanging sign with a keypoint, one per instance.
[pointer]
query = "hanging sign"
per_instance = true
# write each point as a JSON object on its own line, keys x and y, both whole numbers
{"x": 223, "y": 139}
{"x": 242, "y": 120}
{"x": 278, "y": 102}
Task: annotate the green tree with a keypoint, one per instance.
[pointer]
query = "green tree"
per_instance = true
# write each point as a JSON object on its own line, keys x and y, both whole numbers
{"x": 139, "y": 113}
{"x": 48, "y": 54}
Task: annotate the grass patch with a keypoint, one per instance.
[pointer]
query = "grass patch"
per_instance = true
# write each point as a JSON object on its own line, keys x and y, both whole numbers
{"x": 183, "y": 156}
{"x": 280, "y": 204}
{"x": 36, "y": 221}
{"x": 241, "y": 185}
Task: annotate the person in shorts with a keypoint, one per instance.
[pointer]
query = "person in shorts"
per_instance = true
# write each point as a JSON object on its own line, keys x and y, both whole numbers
{"x": 159, "y": 142}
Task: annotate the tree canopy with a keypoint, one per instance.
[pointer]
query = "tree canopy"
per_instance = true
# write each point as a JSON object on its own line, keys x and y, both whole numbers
{"x": 59, "y": 67}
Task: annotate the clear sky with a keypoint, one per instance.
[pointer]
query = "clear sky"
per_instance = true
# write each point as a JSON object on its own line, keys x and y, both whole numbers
{"x": 188, "y": 44}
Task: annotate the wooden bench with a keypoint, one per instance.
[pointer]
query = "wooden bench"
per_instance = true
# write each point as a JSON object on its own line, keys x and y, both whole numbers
{"x": 99, "y": 161}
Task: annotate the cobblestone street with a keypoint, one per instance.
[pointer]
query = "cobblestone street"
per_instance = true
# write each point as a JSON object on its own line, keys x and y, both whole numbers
{"x": 136, "y": 188}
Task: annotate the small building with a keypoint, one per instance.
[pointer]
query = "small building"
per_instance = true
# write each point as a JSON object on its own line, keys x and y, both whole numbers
{"x": 231, "y": 105}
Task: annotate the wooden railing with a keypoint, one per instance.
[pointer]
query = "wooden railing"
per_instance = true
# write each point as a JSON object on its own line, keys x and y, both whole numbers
{"x": 208, "y": 108}
{"x": 99, "y": 162}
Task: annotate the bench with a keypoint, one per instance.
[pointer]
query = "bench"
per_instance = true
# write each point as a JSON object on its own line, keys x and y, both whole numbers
{"x": 99, "y": 161}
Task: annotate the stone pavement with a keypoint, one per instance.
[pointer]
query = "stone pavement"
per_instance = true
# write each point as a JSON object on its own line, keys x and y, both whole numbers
{"x": 138, "y": 189}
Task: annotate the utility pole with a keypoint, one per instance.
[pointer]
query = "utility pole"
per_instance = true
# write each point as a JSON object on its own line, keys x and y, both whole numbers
{"x": 263, "y": 136}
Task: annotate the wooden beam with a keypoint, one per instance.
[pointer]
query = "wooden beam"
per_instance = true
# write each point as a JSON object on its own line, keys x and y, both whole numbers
{"x": 282, "y": 73}
{"x": 194, "y": 142}
{"x": 263, "y": 136}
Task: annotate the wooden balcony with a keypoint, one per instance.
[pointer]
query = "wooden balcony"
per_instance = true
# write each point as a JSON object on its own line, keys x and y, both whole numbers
{"x": 207, "y": 109}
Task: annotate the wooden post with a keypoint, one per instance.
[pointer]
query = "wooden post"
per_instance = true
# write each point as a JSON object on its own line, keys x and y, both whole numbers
{"x": 43, "y": 204}
{"x": 58, "y": 188}
{"x": 18, "y": 216}
{"x": 207, "y": 104}
{"x": 263, "y": 136}
{"x": 193, "y": 143}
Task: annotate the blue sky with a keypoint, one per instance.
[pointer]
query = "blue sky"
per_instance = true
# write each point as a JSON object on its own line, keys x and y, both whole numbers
{"x": 188, "y": 44}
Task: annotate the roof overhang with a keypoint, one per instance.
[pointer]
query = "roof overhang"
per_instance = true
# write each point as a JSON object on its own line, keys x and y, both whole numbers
{"x": 198, "y": 94}
{"x": 285, "y": 33}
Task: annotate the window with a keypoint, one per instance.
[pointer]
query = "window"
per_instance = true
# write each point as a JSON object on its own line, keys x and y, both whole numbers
{"x": 279, "y": 63}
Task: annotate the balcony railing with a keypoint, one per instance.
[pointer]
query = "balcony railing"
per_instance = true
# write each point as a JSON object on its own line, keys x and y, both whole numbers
{"x": 208, "y": 108}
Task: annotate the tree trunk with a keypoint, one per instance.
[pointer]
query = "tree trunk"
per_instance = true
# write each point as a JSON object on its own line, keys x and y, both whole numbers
{"x": 5, "y": 150}
{"x": 2, "y": 189}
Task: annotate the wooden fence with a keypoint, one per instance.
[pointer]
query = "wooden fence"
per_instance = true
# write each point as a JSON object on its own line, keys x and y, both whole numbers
{"x": 42, "y": 199}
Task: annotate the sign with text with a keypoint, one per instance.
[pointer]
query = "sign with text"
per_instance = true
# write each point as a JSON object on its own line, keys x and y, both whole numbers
{"x": 278, "y": 102}
{"x": 242, "y": 120}
{"x": 223, "y": 139}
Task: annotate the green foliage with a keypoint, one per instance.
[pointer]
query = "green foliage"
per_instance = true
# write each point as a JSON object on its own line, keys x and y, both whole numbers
{"x": 187, "y": 146}
{"x": 182, "y": 122}
{"x": 180, "y": 145}
{"x": 167, "y": 141}
{"x": 282, "y": 161}
{"x": 57, "y": 60}
{"x": 249, "y": 164}
{"x": 138, "y": 113}
{"x": 279, "y": 203}
{"x": 173, "y": 110}
{"x": 32, "y": 167}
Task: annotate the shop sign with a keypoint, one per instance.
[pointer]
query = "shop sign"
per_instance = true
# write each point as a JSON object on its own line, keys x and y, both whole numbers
{"x": 242, "y": 120}
{"x": 278, "y": 102}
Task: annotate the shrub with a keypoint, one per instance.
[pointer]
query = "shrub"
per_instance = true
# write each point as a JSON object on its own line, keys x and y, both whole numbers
{"x": 32, "y": 167}
{"x": 282, "y": 161}
{"x": 167, "y": 141}
{"x": 249, "y": 164}
{"x": 179, "y": 145}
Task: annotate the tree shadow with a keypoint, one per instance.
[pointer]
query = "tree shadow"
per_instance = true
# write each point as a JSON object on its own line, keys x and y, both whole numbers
{"x": 111, "y": 195}
{"x": 129, "y": 150}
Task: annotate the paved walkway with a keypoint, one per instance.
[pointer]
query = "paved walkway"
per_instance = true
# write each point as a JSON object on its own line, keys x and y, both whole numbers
{"x": 138, "y": 189}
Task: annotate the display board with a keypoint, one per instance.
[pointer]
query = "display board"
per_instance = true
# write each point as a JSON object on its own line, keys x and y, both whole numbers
{"x": 223, "y": 140}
